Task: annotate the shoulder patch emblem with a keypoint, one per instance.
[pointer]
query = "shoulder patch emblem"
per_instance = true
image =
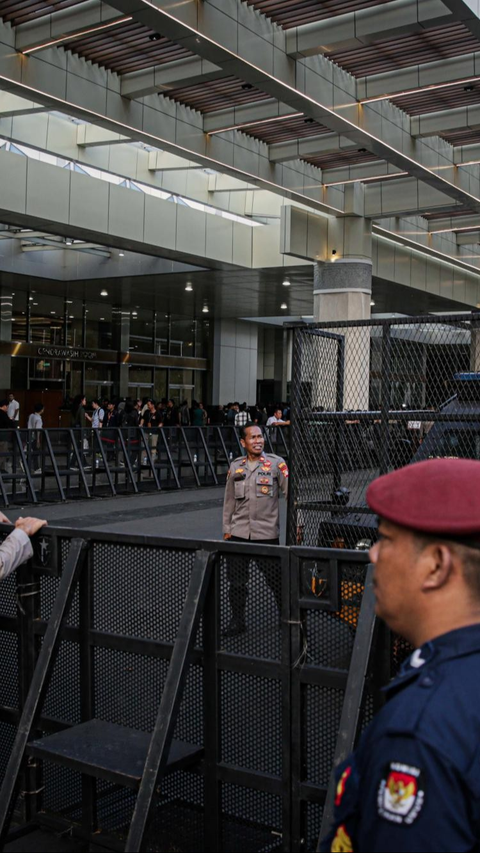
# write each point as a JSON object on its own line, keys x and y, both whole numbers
{"x": 401, "y": 793}
{"x": 342, "y": 782}
{"x": 283, "y": 467}
{"x": 342, "y": 843}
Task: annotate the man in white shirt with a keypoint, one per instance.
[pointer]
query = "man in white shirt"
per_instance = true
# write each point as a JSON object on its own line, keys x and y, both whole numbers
{"x": 17, "y": 548}
{"x": 274, "y": 421}
{"x": 35, "y": 423}
{"x": 13, "y": 410}
{"x": 98, "y": 415}
{"x": 277, "y": 419}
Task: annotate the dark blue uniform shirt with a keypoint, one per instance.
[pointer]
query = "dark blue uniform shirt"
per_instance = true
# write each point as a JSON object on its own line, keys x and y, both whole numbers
{"x": 413, "y": 783}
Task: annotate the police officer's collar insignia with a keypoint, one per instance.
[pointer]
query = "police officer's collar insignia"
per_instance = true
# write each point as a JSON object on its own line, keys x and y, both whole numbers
{"x": 401, "y": 793}
{"x": 416, "y": 659}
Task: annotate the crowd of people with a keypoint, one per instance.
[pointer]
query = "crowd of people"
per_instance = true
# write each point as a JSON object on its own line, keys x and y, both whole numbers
{"x": 148, "y": 413}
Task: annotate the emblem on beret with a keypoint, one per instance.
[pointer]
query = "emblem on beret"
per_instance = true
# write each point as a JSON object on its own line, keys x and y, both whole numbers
{"x": 401, "y": 793}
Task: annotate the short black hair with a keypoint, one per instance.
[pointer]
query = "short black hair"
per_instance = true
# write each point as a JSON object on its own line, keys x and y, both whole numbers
{"x": 39, "y": 407}
{"x": 3, "y": 403}
{"x": 247, "y": 426}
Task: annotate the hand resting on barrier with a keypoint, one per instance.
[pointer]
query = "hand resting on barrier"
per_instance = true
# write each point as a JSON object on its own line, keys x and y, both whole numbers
{"x": 16, "y": 548}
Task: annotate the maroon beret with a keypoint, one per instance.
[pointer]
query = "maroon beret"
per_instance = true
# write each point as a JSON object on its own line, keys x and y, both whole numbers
{"x": 435, "y": 496}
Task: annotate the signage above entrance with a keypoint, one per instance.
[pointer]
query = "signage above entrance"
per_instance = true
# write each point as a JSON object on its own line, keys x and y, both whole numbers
{"x": 66, "y": 352}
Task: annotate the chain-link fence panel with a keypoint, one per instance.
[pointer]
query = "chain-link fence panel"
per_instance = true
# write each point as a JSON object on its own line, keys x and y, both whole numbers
{"x": 369, "y": 397}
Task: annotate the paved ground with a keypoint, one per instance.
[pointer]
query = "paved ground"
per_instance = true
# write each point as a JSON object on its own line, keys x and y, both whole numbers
{"x": 190, "y": 513}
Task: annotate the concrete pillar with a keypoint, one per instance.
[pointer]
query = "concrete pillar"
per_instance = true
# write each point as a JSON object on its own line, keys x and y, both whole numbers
{"x": 342, "y": 291}
{"x": 234, "y": 363}
{"x": 475, "y": 348}
{"x": 121, "y": 341}
{"x": 6, "y": 314}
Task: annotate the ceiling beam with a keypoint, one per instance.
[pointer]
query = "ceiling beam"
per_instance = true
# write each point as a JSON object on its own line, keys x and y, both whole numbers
{"x": 359, "y": 172}
{"x": 356, "y": 29}
{"x": 468, "y": 238}
{"x": 90, "y": 135}
{"x": 467, "y": 155}
{"x": 163, "y": 161}
{"x": 89, "y": 16}
{"x": 230, "y": 35}
{"x": 314, "y": 146}
{"x": 237, "y": 118}
{"x": 12, "y": 105}
{"x": 447, "y": 72}
{"x": 172, "y": 75}
{"x": 445, "y": 121}
{"x": 402, "y": 240}
{"x": 403, "y": 197}
{"x": 453, "y": 223}
{"x": 466, "y": 11}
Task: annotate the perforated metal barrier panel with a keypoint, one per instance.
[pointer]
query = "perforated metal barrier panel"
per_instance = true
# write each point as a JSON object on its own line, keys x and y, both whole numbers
{"x": 263, "y": 705}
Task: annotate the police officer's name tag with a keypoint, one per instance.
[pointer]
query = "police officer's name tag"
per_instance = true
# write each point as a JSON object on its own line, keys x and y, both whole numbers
{"x": 401, "y": 793}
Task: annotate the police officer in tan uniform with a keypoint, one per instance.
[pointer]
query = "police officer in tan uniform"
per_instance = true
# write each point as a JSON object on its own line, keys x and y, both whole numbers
{"x": 251, "y": 513}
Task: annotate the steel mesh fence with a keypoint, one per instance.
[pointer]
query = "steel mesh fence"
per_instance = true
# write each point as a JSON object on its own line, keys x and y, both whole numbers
{"x": 370, "y": 397}
{"x": 264, "y": 705}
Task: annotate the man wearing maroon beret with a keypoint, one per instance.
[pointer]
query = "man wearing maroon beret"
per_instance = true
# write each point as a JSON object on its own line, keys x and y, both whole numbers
{"x": 413, "y": 783}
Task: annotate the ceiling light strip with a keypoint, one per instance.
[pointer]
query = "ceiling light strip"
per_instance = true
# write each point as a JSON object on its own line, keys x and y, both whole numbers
{"x": 457, "y": 228}
{"x": 72, "y": 36}
{"x": 431, "y": 88}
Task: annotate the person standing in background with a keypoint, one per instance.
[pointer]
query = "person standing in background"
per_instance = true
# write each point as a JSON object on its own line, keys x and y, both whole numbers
{"x": 13, "y": 410}
{"x": 34, "y": 426}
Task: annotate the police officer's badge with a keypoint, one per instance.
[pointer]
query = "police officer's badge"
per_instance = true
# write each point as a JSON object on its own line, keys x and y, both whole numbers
{"x": 401, "y": 793}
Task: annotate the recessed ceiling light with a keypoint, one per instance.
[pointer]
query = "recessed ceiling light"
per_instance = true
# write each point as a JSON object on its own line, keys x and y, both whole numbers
{"x": 205, "y": 309}
{"x": 52, "y": 312}
{"x": 35, "y": 303}
{"x": 69, "y": 301}
{"x": 134, "y": 314}
{"x": 30, "y": 298}
{"x": 155, "y": 37}
{"x": 372, "y": 302}
{"x": 102, "y": 318}
{"x": 68, "y": 242}
{"x": 286, "y": 282}
{"x": 189, "y": 287}
{"x": 104, "y": 292}
{"x": 70, "y": 316}
{"x": 283, "y": 306}
{"x": 121, "y": 254}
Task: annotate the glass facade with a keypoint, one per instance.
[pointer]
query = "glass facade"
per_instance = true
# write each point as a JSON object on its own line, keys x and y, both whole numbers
{"x": 48, "y": 320}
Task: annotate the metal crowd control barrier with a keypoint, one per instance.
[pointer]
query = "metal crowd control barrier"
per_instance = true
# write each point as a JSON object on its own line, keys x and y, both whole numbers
{"x": 124, "y": 725}
{"x": 61, "y": 464}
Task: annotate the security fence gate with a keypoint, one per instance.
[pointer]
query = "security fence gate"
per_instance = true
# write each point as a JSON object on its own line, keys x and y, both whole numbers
{"x": 61, "y": 464}
{"x": 369, "y": 397}
{"x": 256, "y": 719}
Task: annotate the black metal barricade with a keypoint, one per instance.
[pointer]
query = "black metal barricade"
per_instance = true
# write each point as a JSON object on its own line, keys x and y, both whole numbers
{"x": 370, "y": 396}
{"x": 257, "y": 719}
{"x": 61, "y": 464}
